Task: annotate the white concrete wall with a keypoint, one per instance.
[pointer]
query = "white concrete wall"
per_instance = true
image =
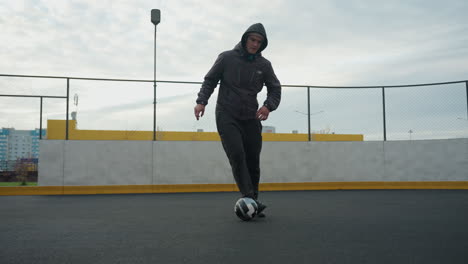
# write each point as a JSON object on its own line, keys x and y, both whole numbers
{"x": 184, "y": 162}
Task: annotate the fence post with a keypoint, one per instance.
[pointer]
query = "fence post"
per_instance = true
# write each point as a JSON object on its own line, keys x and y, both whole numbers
{"x": 466, "y": 84}
{"x": 68, "y": 101}
{"x": 308, "y": 112}
{"x": 40, "y": 121}
{"x": 384, "y": 115}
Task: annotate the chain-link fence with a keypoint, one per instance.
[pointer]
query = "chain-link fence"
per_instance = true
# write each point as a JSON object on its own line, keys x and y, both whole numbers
{"x": 409, "y": 112}
{"x": 21, "y": 171}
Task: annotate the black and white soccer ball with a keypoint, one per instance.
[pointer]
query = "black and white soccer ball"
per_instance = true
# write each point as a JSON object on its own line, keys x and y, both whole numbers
{"x": 246, "y": 208}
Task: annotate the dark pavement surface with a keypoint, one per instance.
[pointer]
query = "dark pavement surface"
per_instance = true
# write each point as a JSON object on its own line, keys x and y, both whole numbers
{"x": 382, "y": 226}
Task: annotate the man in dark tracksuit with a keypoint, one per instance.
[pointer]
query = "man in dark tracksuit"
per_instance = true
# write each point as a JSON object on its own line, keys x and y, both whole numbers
{"x": 243, "y": 71}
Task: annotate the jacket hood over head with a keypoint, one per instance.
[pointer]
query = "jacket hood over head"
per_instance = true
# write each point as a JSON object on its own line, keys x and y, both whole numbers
{"x": 259, "y": 29}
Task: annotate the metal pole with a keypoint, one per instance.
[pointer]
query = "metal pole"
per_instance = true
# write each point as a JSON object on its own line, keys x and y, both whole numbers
{"x": 466, "y": 84}
{"x": 155, "y": 19}
{"x": 384, "y": 115}
{"x": 40, "y": 121}
{"x": 308, "y": 112}
{"x": 68, "y": 102}
{"x": 154, "y": 86}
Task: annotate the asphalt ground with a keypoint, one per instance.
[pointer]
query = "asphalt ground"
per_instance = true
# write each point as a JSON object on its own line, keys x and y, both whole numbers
{"x": 381, "y": 226}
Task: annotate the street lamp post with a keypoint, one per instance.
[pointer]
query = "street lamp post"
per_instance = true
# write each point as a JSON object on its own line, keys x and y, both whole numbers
{"x": 155, "y": 19}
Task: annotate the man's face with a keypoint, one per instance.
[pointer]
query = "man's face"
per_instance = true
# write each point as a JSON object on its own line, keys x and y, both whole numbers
{"x": 254, "y": 42}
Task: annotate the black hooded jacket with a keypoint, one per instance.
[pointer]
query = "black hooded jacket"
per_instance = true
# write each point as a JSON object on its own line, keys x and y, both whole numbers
{"x": 242, "y": 78}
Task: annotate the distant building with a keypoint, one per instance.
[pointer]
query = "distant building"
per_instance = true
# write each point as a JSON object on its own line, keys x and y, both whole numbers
{"x": 16, "y": 144}
{"x": 268, "y": 129}
{"x": 4, "y": 143}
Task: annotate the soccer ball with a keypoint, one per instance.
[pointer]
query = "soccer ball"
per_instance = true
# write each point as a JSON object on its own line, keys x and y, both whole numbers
{"x": 246, "y": 208}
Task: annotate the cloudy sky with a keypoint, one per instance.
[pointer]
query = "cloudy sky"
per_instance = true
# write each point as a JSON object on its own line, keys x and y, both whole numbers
{"x": 318, "y": 43}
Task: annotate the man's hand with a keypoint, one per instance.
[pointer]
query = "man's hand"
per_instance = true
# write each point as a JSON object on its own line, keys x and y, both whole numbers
{"x": 262, "y": 113}
{"x": 199, "y": 111}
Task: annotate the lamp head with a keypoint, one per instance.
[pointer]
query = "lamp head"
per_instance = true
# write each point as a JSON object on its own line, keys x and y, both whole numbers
{"x": 155, "y": 16}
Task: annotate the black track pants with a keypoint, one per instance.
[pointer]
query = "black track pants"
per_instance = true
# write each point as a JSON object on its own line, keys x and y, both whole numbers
{"x": 242, "y": 142}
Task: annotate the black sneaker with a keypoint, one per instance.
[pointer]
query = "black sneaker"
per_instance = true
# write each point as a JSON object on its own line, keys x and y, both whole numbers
{"x": 260, "y": 209}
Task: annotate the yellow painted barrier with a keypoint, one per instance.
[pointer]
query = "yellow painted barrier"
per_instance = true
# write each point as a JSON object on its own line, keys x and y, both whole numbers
{"x": 336, "y": 137}
{"x": 195, "y": 188}
{"x": 56, "y": 131}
